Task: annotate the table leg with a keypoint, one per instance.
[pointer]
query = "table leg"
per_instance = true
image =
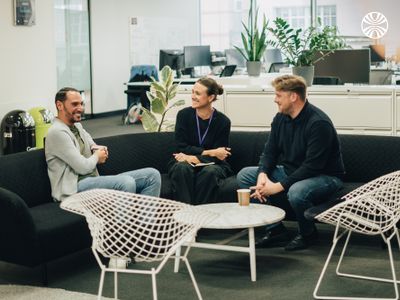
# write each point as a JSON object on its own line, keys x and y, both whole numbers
{"x": 252, "y": 253}
{"x": 177, "y": 259}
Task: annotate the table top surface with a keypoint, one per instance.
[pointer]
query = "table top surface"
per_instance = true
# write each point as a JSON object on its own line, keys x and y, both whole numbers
{"x": 231, "y": 215}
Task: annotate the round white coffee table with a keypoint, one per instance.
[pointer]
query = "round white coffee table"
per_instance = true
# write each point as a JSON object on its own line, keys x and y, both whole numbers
{"x": 233, "y": 216}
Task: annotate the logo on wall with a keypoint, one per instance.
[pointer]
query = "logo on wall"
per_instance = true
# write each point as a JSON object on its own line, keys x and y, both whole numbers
{"x": 374, "y": 25}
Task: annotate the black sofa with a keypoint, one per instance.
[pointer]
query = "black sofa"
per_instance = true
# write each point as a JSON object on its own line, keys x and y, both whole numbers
{"x": 34, "y": 230}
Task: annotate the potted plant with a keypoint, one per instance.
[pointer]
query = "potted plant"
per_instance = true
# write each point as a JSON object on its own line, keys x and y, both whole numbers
{"x": 300, "y": 48}
{"x": 160, "y": 95}
{"x": 254, "y": 41}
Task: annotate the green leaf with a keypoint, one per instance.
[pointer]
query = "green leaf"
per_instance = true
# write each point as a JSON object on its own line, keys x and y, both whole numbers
{"x": 149, "y": 122}
{"x": 157, "y": 106}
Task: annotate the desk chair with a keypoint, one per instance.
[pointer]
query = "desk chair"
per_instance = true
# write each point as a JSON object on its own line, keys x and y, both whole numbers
{"x": 136, "y": 96}
{"x": 143, "y": 228}
{"x": 372, "y": 209}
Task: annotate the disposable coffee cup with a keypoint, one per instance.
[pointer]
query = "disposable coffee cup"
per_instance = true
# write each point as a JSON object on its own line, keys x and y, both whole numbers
{"x": 243, "y": 197}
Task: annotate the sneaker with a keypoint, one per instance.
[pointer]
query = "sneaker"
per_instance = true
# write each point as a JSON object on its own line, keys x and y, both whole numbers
{"x": 117, "y": 263}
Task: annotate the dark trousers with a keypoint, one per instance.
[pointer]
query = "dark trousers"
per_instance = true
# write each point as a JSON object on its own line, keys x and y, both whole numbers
{"x": 196, "y": 185}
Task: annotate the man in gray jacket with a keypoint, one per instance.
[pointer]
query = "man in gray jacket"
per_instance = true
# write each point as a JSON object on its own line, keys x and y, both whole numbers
{"x": 72, "y": 156}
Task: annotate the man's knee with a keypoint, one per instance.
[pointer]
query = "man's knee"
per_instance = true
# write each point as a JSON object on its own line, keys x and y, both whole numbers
{"x": 299, "y": 193}
{"x": 246, "y": 177}
{"x": 126, "y": 183}
{"x": 153, "y": 175}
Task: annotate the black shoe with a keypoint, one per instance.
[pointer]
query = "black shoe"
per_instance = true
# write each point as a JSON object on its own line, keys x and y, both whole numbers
{"x": 275, "y": 237}
{"x": 301, "y": 242}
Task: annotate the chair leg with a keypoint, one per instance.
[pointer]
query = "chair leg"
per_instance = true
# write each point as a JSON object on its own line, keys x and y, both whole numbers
{"x": 393, "y": 280}
{"x": 342, "y": 255}
{"x": 101, "y": 285}
{"x": 154, "y": 284}
{"x": 315, "y": 294}
{"x": 396, "y": 291}
{"x": 196, "y": 287}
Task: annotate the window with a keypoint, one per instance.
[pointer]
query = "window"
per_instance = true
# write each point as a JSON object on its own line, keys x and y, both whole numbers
{"x": 72, "y": 46}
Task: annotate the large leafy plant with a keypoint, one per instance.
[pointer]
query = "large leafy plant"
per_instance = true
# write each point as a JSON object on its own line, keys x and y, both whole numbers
{"x": 300, "y": 47}
{"x": 160, "y": 96}
{"x": 254, "y": 40}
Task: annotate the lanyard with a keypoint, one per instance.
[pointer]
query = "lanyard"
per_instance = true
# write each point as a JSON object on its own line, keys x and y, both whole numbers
{"x": 201, "y": 138}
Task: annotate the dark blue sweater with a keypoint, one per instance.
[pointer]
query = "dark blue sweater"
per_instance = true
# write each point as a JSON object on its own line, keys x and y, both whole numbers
{"x": 307, "y": 146}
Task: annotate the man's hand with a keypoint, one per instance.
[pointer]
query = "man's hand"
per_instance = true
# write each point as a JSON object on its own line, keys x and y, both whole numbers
{"x": 265, "y": 188}
{"x": 97, "y": 147}
{"x": 102, "y": 154}
{"x": 259, "y": 187}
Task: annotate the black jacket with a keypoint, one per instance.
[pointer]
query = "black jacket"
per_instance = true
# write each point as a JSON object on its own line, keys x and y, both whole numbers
{"x": 306, "y": 146}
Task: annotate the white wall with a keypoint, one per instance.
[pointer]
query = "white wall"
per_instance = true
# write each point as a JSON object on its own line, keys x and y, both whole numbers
{"x": 27, "y": 60}
{"x": 110, "y": 42}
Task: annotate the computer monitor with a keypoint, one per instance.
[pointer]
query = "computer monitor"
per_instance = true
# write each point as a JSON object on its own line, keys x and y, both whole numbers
{"x": 173, "y": 59}
{"x": 377, "y": 53}
{"x": 197, "y": 56}
{"x": 233, "y": 57}
{"x": 349, "y": 65}
{"x": 228, "y": 71}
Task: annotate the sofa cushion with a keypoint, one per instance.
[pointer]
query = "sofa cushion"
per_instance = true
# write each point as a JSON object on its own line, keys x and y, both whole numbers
{"x": 367, "y": 157}
{"x": 59, "y": 232}
{"x": 135, "y": 151}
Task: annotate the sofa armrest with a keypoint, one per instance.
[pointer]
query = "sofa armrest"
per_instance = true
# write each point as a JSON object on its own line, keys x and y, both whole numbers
{"x": 16, "y": 221}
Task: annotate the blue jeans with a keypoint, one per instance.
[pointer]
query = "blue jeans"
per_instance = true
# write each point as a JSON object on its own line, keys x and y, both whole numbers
{"x": 145, "y": 181}
{"x": 301, "y": 195}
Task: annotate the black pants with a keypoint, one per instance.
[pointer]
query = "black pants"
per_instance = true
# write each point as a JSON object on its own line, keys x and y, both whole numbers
{"x": 196, "y": 185}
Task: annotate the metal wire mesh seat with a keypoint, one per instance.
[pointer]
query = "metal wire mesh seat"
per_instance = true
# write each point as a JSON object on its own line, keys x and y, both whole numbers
{"x": 372, "y": 209}
{"x": 143, "y": 228}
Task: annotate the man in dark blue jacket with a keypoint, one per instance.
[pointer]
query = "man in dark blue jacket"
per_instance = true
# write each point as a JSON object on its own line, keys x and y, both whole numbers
{"x": 301, "y": 158}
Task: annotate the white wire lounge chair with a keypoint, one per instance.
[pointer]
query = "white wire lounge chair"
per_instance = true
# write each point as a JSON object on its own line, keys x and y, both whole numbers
{"x": 131, "y": 226}
{"x": 372, "y": 209}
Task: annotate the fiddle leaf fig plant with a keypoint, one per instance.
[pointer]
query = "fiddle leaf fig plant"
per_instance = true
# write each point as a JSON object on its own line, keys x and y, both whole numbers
{"x": 300, "y": 47}
{"x": 161, "y": 95}
{"x": 254, "y": 40}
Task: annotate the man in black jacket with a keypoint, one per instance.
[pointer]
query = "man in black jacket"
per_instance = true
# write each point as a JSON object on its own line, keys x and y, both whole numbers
{"x": 301, "y": 158}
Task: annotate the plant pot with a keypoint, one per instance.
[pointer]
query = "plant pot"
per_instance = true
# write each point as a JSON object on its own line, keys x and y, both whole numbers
{"x": 307, "y": 72}
{"x": 253, "y": 68}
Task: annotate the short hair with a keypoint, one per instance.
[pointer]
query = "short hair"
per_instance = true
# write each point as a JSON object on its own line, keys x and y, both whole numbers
{"x": 62, "y": 94}
{"x": 291, "y": 83}
{"x": 213, "y": 88}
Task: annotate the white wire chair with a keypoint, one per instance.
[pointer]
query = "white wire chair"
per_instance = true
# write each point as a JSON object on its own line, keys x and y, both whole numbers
{"x": 146, "y": 229}
{"x": 372, "y": 209}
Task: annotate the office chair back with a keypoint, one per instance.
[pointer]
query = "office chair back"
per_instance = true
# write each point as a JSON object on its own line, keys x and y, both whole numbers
{"x": 143, "y": 73}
